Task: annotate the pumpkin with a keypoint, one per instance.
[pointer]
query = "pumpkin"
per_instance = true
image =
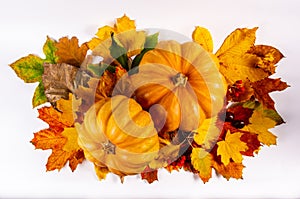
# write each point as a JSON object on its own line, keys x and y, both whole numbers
{"x": 116, "y": 133}
{"x": 182, "y": 81}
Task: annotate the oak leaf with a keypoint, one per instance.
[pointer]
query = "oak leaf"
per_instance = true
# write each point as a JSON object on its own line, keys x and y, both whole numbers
{"x": 202, "y": 162}
{"x": 203, "y": 37}
{"x": 263, "y": 87}
{"x": 231, "y": 147}
{"x": 70, "y": 52}
{"x": 259, "y": 124}
{"x": 232, "y": 170}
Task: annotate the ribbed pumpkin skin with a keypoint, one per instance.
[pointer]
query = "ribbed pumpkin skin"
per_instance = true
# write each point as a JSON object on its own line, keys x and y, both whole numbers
{"x": 186, "y": 106}
{"x": 119, "y": 124}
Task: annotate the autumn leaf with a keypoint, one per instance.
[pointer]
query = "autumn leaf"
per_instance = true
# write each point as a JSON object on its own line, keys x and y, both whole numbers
{"x": 69, "y": 51}
{"x": 235, "y": 63}
{"x": 166, "y": 154}
{"x": 203, "y": 37}
{"x": 61, "y": 136}
{"x": 59, "y": 80}
{"x": 49, "y": 50}
{"x": 39, "y": 96}
{"x": 149, "y": 175}
{"x": 253, "y": 144}
{"x": 124, "y": 23}
{"x": 207, "y": 134}
{"x": 231, "y": 147}
{"x": 48, "y": 139}
{"x": 29, "y": 68}
{"x": 232, "y": 170}
{"x": 263, "y": 87}
{"x": 268, "y": 57}
{"x": 202, "y": 162}
{"x": 237, "y": 43}
{"x": 72, "y": 136}
{"x": 101, "y": 172}
{"x": 259, "y": 124}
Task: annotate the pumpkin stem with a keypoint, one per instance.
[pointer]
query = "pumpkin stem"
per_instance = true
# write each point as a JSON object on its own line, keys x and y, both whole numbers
{"x": 179, "y": 80}
{"x": 109, "y": 148}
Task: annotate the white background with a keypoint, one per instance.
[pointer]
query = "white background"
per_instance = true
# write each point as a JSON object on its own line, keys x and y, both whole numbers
{"x": 23, "y": 28}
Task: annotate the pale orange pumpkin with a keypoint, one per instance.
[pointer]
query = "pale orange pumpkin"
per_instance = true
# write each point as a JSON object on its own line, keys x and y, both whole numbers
{"x": 118, "y": 134}
{"x": 182, "y": 81}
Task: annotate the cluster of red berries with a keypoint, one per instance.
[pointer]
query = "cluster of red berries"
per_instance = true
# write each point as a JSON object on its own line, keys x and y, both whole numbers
{"x": 237, "y": 88}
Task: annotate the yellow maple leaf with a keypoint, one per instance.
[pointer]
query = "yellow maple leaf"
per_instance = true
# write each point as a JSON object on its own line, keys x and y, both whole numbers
{"x": 207, "y": 134}
{"x": 125, "y": 32}
{"x": 203, "y": 37}
{"x": 72, "y": 136}
{"x": 231, "y": 147}
{"x": 259, "y": 124}
{"x": 202, "y": 162}
{"x": 124, "y": 24}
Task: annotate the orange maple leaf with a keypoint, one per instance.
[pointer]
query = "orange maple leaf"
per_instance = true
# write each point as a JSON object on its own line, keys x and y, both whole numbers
{"x": 61, "y": 136}
{"x": 149, "y": 175}
{"x": 232, "y": 170}
{"x": 69, "y": 51}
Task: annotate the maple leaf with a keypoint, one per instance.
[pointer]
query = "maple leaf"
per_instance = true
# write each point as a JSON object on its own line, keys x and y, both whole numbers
{"x": 203, "y": 37}
{"x": 232, "y": 170}
{"x": 263, "y": 87}
{"x": 149, "y": 174}
{"x": 30, "y": 69}
{"x": 69, "y": 51}
{"x": 253, "y": 144}
{"x": 231, "y": 147}
{"x": 101, "y": 172}
{"x": 259, "y": 124}
{"x": 207, "y": 134}
{"x": 202, "y": 162}
{"x": 61, "y": 136}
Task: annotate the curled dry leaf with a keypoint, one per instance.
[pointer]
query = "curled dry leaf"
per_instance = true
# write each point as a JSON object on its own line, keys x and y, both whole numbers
{"x": 59, "y": 81}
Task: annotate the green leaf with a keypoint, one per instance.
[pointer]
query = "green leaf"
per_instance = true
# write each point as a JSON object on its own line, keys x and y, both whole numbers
{"x": 29, "y": 68}
{"x": 98, "y": 69}
{"x": 49, "y": 50}
{"x": 150, "y": 43}
{"x": 39, "y": 96}
{"x": 272, "y": 114}
{"x": 118, "y": 52}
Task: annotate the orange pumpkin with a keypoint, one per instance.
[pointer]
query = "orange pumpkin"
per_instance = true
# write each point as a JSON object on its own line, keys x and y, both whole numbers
{"x": 183, "y": 82}
{"x": 116, "y": 133}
